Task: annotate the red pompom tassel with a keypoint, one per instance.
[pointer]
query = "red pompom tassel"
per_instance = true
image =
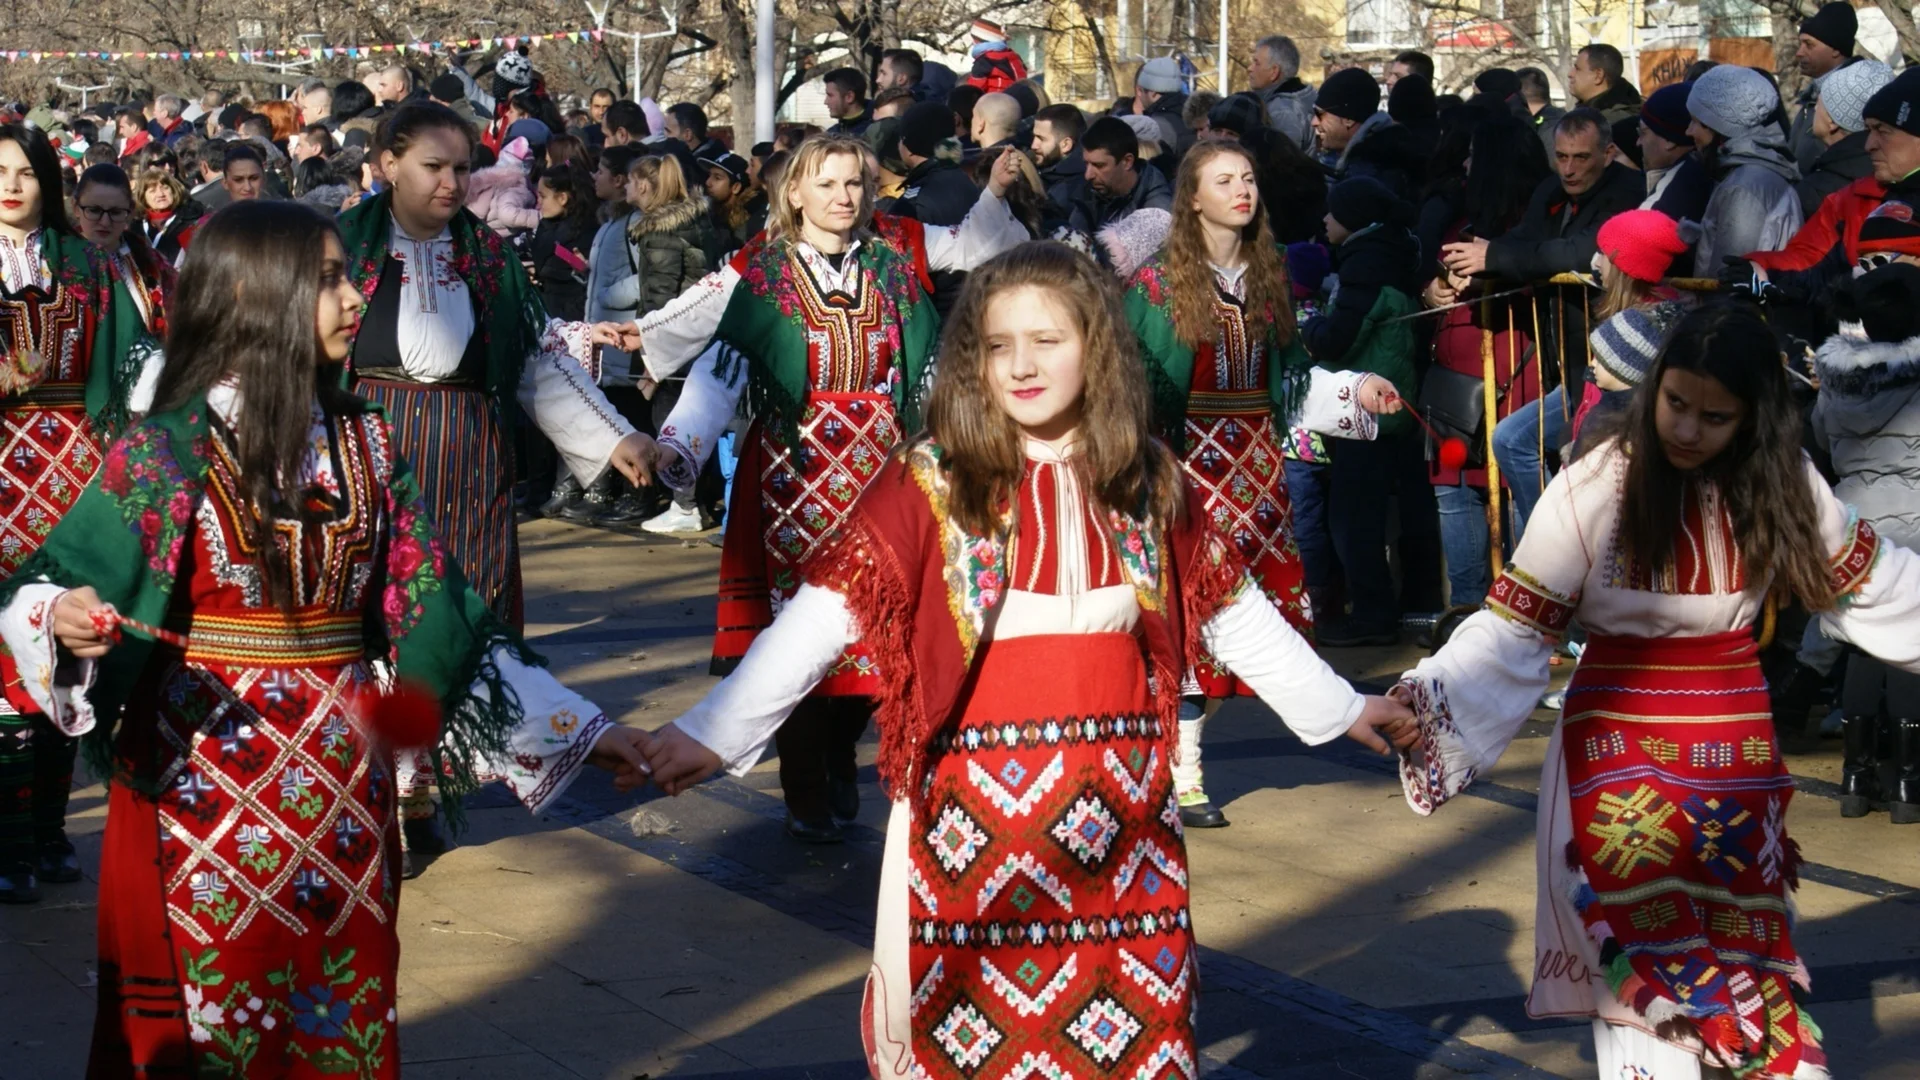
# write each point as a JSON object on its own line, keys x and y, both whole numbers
{"x": 407, "y": 717}
{"x": 1453, "y": 453}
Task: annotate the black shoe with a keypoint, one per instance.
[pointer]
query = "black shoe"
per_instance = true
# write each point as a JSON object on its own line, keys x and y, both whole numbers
{"x": 1351, "y": 633}
{"x": 1203, "y": 816}
{"x": 592, "y": 503}
{"x": 17, "y": 885}
{"x": 424, "y": 836}
{"x": 843, "y": 796}
{"x": 1860, "y": 769}
{"x": 626, "y": 511}
{"x": 814, "y": 832}
{"x": 58, "y": 864}
{"x": 1904, "y": 805}
{"x": 565, "y": 493}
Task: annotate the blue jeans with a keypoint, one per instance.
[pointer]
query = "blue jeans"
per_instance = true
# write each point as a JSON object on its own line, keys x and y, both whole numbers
{"x": 1463, "y": 533}
{"x": 1516, "y": 446}
{"x": 1307, "y": 490}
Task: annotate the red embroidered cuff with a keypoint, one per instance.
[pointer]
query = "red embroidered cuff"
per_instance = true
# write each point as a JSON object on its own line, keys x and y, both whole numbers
{"x": 1850, "y": 568}
{"x": 1520, "y": 597}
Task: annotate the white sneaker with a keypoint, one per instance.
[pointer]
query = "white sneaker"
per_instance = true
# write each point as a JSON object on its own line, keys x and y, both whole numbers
{"x": 674, "y": 519}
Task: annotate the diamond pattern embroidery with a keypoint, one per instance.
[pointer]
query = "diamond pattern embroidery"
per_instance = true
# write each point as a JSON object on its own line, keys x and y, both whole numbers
{"x": 1087, "y": 830}
{"x": 1633, "y": 829}
{"x": 966, "y": 1037}
{"x": 957, "y": 840}
{"x": 1104, "y": 1029}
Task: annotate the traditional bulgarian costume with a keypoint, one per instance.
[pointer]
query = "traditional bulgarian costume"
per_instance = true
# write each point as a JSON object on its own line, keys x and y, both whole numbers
{"x": 832, "y": 356}
{"x": 251, "y": 862}
{"x": 1225, "y": 407}
{"x": 1033, "y": 915}
{"x": 69, "y": 363}
{"x": 1665, "y": 906}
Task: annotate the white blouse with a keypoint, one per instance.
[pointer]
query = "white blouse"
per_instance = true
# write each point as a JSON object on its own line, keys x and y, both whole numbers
{"x": 23, "y": 263}
{"x": 739, "y": 716}
{"x": 677, "y": 334}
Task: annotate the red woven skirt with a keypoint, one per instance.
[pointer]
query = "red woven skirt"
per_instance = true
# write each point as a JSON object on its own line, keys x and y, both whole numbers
{"x": 1683, "y": 866}
{"x": 1050, "y": 933}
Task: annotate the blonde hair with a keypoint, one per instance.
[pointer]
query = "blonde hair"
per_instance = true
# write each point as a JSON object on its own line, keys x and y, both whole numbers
{"x": 783, "y": 218}
{"x": 984, "y": 450}
{"x": 1619, "y": 291}
{"x": 1190, "y": 271}
{"x": 158, "y": 176}
{"x": 667, "y": 179}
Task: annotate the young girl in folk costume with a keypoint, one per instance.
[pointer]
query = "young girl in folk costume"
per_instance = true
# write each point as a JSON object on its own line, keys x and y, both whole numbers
{"x": 264, "y": 540}
{"x": 1666, "y": 874}
{"x": 1213, "y": 313}
{"x": 103, "y": 214}
{"x": 829, "y": 333}
{"x": 455, "y": 344}
{"x": 68, "y": 369}
{"x": 1034, "y": 575}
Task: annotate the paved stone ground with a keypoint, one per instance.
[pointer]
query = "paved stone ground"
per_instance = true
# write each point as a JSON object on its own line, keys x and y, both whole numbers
{"x": 619, "y": 938}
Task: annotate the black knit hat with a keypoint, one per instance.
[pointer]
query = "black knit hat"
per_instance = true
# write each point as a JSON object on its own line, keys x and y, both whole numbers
{"x": 447, "y": 87}
{"x": 1501, "y": 82}
{"x": 1350, "y": 94}
{"x": 925, "y": 126}
{"x": 1897, "y": 103}
{"x": 1241, "y": 114}
{"x": 1885, "y": 302}
{"x": 1360, "y": 201}
{"x": 1835, "y": 24}
{"x": 1411, "y": 99}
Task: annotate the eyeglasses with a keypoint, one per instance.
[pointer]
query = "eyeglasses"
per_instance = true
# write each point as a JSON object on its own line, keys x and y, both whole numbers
{"x": 1874, "y": 260}
{"x": 114, "y": 214}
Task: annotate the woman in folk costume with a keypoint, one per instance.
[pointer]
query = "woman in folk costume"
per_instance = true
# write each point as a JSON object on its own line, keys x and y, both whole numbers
{"x": 454, "y": 346}
{"x": 1035, "y": 574}
{"x": 206, "y": 616}
{"x": 1213, "y": 313}
{"x": 1666, "y": 874}
{"x": 456, "y": 342}
{"x": 103, "y": 209}
{"x": 829, "y": 335}
{"x": 68, "y": 368}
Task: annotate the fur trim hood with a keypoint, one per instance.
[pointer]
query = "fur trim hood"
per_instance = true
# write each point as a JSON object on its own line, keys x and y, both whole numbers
{"x": 672, "y": 217}
{"x": 1864, "y": 384}
{"x": 1134, "y": 239}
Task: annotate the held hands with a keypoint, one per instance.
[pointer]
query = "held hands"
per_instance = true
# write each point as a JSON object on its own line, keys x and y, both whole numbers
{"x": 622, "y": 751}
{"x": 1384, "y": 720}
{"x": 678, "y": 762}
{"x": 1378, "y": 396}
{"x": 74, "y": 626}
{"x": 623, "y": 336}
{"x": 639, "y": 458}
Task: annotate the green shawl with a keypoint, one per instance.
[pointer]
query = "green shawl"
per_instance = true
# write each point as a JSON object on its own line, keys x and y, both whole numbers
{"x": 764, "y": 328}
{"x": 125, "y": 537}
{"x": 511, "y": 315}
{"x": 114, "y": 364}
{"x": 1170, "y": 360}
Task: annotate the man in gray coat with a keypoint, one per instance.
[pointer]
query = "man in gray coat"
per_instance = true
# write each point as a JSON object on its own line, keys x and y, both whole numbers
{"x": 1275, "y": 72}
{"x": 1826, "y": 46}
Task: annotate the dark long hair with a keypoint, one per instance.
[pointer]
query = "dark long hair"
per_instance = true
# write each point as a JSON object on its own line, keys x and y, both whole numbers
{"x": 1507, "y": 163}
{"x": 46, "y": 169}
{"x": 1762, "y": 474}
{"x": 245, "y": 311}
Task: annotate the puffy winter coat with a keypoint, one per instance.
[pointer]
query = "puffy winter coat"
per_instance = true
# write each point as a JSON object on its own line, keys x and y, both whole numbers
{"x": 1868, "y": 416}
{"x": 607, "y": 263}
{"x": 1290, "y": 110}
{"x": 666, "y": 253}
{"x": 502, "y": 196}
{"x": 1754, "y": 207}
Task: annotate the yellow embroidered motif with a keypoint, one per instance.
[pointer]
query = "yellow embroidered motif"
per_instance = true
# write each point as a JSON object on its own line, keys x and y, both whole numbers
{"x": 1653, "y": 916}
{"x": 1728, "y": 922}
{"x": 1633, "y": 829}
{"x": 1661, "y": 750}
{"x": 1755, "y": 750}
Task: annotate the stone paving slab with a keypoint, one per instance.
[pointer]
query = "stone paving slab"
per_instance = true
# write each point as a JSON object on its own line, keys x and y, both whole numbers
{"x": 1341, "y": 936}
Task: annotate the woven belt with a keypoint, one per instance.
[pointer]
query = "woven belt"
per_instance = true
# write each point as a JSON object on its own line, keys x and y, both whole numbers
{"x": 1229, "y": 403}
{"x": 273, "y": 639}
{"x": 61, "y": 395}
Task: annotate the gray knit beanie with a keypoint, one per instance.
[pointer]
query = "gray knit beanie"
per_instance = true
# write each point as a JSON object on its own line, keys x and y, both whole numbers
{"x": 1845, "y": 91}
{"x": 1732, "y": 99}
{"x": 1626, "y": 344}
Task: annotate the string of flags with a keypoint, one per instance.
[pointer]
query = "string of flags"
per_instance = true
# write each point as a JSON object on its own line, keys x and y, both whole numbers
{"x": 302, "y": 52}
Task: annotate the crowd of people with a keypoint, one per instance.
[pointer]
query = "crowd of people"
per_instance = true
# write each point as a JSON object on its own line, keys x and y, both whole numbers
{"x": 1008, "y": 411}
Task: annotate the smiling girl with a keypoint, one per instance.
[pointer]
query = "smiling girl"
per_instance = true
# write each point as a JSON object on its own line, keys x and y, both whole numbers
{"x": 1666, "y": 873}
{"x": 1034, "y": 575}
{"x": 261, "y": 517}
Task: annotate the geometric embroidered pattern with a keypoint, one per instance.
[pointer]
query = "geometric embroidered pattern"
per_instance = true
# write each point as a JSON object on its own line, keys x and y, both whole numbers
{"x": 966, "y": 1036}
{"x": 999, "y": 790}
{"x": 1154, "y": 979}
{"x": 1133, "y": 775}
{"x": 956, "y": 839}
{"x": 1661, "y": 750}
{"x": 1721, "y": 827}
{"x": 1028, "y": 975}
{"x": 1633, "y": 829}
{"x": 1087, "y": 830}
{"x": 1711, "y": 755}
{"x": 1605, "y": 745}
{"x": 1520, "y": 597}
{"x": 1028, "y": 865}
{"x": 1150, "y": 881}
{"x": 1104, "y": 1029}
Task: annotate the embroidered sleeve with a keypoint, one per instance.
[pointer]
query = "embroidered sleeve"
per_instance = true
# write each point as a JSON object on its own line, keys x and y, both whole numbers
{"x": 53, "y": 688}
{"x": 706, "y": 406}
{"x": 1877, "y": 584}
{"x": 556, "y": 732}
{"x": 673, "y": 336}
{"x": 988, "y": 229}
{"x": 1519, "y": 597}
{"x": 1333, "y": 407}
{"x": 563, "y": 400}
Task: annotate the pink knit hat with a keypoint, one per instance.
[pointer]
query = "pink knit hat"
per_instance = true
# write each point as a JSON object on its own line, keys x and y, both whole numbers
{"x": 1642, "y": 243}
